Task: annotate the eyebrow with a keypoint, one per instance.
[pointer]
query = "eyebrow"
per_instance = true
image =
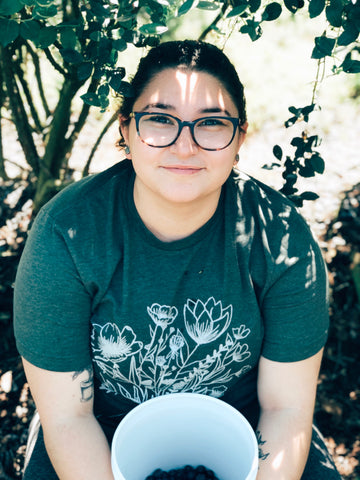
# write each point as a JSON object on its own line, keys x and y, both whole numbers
{"x": 166, "y": 106}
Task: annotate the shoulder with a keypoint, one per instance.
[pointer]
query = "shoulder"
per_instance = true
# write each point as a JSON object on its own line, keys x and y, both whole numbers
{"x": 264, "y": 206}
{"x": 268, "y": 225}
{"x": 95, "y": 193}
{"x": 259, "y": 194}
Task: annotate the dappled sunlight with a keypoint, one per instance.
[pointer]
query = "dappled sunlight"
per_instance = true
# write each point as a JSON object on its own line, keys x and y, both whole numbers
{"x": 278, "y": 460}
{"x": 188, "y": 91}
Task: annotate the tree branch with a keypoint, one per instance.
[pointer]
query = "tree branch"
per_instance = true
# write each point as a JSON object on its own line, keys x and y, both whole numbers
{"x": 20, "y": 75}
{"x": 2, "y": 101}
{"x": 86, "y": 169}
{"x": 18, "y": 112}
{"x": 57, "y": 67}
{"x": 215, "y": 22}
{"x": 38, "y": 76}
{"x": 74, "y": 134}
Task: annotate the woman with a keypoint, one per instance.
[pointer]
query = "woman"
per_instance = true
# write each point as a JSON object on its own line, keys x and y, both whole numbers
{"x": 171, "y": 272}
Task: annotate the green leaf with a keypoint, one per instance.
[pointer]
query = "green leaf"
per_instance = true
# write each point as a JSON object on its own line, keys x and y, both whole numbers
{"x": 253, "y": 29}
{"x": 124, "y": 89}
{"x": 237, "y": 10}
{"x": 208, "y": 6}
{"x": 68, "y": 38}
{"x": 323, "y": 47}
{"x": 47, "y": 36}
{"x": 71, "y": 56}
{"x": 349, "y": 35}
{"x": 120, "y": 45}
{"x": 30, "y": 30}
{"x": 9, "y": 30}
{"x": 334, "y": 13}
{"x": 96, "y": 36}
{"x": 272, "y": 12}
{"x": 41, "y": 12}
{"x": 291, "y": 121}
{"x": 84, "y": 70}
{"x": 316, "y": 7}
{"x": 317, "y": 163}
{"x": 254, "y": 5}
{"x": 349, "y": 65}
{"x": 294, "y": 5}
{"x": 153, "y": 29}
{"x": 43, "y": 3}
{"x": 306, "y": 172}
{"x": 277, "y": 151}
{"x": 185, "y": 7}
{"x": 104, "y": 102}
{"x": 91, "y": 99}
{"x": 103, "y": 90}
{"x": 305, "y": 111}
{"x": 309, "y": 196}
{"x": 9, "y": 7}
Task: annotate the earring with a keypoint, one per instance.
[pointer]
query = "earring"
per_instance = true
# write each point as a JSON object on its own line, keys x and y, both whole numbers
{"x": 127, "y": 150}
{"x": 237, "y": 158}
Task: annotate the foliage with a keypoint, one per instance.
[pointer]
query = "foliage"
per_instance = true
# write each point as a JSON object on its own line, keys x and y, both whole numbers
{"x": 82, "y": 41}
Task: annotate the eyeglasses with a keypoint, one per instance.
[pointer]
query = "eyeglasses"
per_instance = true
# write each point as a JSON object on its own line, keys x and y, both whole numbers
{"x": 162, "y": 130}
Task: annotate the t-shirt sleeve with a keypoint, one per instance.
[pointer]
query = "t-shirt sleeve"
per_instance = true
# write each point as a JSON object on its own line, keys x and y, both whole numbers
{"x": 51, "y": 304}
{"x": 295, "y": 305}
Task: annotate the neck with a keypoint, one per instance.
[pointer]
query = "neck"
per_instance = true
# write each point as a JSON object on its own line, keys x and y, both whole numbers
{"x": 174, "y": 221}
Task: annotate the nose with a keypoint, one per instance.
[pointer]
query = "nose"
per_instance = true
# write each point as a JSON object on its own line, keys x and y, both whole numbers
{"x": 185, "y": 144}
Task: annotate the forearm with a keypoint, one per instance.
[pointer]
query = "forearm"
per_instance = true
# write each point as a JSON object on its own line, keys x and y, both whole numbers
{"x": 78, "y": 449}
{"x": 284, "y": 438}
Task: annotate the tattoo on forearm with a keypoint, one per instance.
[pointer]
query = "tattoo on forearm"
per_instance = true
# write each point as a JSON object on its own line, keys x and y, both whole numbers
{"x": 86, "y": 383}
{"x": 261, "y": 442}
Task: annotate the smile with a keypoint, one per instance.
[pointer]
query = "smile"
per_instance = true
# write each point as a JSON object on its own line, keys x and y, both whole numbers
{"x": 182, "y": 169}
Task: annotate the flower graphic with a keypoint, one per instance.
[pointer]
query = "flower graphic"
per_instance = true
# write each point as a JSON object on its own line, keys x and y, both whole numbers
{"x": 241, "y": 353}
{"x": 162, "y": 315}
{"x": 176, "y": 343}
{"x": 241, "y": 332}
{"x": 160, "y": 361}
{"x": 205, "y": 322}
{"x": 113, "y": 344}
{"x": 218, "y": 391}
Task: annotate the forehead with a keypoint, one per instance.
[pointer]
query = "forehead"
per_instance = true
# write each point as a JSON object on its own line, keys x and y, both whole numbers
{"x": 187, "y": 90}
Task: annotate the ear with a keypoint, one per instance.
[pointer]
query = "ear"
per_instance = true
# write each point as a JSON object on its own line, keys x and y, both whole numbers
{"x": 124, "y": 128}
{"x": 242, "y": 133}
{"x": 124, "y": 131}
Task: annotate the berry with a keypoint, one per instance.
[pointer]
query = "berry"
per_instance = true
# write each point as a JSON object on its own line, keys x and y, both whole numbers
{"x": 185, "y": 473}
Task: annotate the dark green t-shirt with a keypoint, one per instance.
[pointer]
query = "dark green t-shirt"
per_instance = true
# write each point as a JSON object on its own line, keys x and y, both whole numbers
{"x": 193, "y": 315}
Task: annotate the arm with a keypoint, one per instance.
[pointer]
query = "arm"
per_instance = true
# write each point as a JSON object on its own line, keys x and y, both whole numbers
{"x": 74, "y": 440}
{"x": 287, "y": 397}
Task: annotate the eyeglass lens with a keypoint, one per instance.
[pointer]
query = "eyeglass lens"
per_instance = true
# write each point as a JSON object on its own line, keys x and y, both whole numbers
{"x": 161, "y": 130}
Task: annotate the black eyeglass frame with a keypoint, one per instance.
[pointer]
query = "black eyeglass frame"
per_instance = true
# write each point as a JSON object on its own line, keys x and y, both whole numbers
{"x": 183, "y": 123}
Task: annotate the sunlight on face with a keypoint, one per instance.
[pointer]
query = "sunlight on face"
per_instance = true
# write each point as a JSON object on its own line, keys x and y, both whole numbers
{"x": 187, "y": 91}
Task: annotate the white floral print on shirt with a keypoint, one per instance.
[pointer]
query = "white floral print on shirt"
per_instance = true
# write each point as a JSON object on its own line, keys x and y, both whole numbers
{"x": 172, "y": 361}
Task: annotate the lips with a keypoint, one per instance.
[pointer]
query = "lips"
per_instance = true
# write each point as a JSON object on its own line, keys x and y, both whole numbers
{"x": 183, "y": 169}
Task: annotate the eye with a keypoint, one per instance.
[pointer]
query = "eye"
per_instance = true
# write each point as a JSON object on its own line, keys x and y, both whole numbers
{"x": 212, "y": 122}
{"x": 159, "y": 119}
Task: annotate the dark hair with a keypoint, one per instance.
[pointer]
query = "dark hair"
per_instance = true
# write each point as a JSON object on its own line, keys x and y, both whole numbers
{"x": 190, "y": 55}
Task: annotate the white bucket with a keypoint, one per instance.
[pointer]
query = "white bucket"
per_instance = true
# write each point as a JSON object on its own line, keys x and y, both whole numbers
{"x": 180, "y": 429}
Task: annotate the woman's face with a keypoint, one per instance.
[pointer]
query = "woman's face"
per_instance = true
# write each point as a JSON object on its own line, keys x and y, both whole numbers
{"x": 182, "y": 173}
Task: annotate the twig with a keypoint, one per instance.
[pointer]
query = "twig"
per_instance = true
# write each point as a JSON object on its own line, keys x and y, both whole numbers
{"x": 20, "y": 74}
{"x": 19, "y": 114}
{"x": 57, "y": 67}
{"x": 211, "y": 26}
{"x": 97, "y": 143}
{"x": 36, "y": 62}
{"x": 74, "y": 134}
